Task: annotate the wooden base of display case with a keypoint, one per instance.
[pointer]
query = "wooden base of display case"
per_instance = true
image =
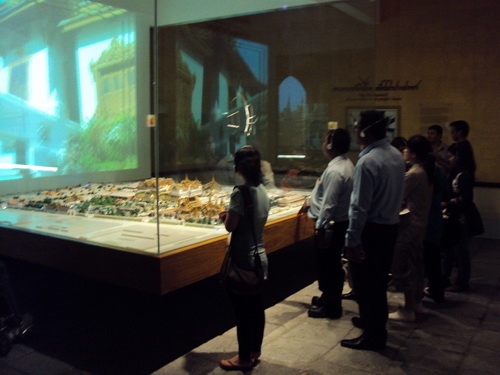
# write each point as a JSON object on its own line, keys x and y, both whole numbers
{"x": 158, "y": 274}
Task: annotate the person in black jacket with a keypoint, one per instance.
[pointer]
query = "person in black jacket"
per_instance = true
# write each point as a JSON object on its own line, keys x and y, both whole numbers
{"x": 461, "y": 209}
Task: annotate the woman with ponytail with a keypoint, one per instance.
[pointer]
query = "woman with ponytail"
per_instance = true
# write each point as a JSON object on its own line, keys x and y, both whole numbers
{"x": 245, "y": 219}
{"x": 408, "y": 264}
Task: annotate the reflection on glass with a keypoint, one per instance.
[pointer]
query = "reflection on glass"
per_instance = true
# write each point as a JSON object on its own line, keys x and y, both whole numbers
{"x": 265, "y": 79}
{"x": 220, "y": 96}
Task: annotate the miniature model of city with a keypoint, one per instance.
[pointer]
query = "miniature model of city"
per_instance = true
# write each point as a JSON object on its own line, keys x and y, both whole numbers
{"x": 187, "y": 201}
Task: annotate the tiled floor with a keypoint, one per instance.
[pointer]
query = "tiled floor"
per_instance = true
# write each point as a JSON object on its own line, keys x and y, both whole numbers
{"x": 461, "y": 336}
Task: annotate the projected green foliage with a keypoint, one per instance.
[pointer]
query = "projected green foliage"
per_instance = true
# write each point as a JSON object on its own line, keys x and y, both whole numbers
{"x": 104, "y": 144}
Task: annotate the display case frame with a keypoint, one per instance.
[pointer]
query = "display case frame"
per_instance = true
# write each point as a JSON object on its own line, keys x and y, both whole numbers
{"x": 157, "y": 274}
{"x": 170, "y": 137}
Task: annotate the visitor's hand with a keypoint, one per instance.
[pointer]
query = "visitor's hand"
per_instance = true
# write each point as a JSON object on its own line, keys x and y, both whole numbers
{"x": 354, "y": 254}
{"x": 303, "y": 209}
{"x": 222, "y": 216}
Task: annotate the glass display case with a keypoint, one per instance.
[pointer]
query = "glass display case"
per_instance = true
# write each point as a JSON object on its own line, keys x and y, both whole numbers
{"x": 118, "y": 132}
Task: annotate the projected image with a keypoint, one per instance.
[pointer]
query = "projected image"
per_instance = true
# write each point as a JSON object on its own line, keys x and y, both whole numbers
{"x": 67, "y": 89}
{"x": 221, "y": 86}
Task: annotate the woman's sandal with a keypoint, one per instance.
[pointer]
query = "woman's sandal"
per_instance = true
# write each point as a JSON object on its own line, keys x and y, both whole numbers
{"x": 255, "y": 358}
{"x": 234, "y": 364}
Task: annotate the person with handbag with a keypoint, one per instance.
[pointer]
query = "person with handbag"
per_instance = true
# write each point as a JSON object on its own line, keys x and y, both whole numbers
{"x": 246, "y": 259}
{"x": 328, "y": 206}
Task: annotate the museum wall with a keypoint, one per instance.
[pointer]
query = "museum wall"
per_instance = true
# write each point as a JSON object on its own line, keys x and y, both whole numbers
{"x": 437, "y": 62}
{"x": 450, "y": 48}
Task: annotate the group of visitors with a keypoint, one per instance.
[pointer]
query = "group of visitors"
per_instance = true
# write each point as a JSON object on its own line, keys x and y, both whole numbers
{"x": 445, "y": 184}
{"x": 373, "y": 226}
{"x": 384, "y": 215}
{"x": 391, "y": 227}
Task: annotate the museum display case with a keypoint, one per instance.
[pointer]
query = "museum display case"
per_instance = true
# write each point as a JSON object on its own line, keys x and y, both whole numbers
{"x": 118, "y": 131}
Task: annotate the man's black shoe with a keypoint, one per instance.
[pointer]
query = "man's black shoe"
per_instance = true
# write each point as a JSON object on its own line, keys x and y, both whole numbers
{"x": 438, "y": 298}
{"x": 349, "y": 295}
{"x": 323, "y": 312}
{"x": 357, "y": 322}
{"x": 363, "y": 343}
{"x": 317, "y": 301}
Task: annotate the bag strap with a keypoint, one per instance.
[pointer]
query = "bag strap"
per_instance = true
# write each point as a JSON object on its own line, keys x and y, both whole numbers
{"x": 249, "y": 209}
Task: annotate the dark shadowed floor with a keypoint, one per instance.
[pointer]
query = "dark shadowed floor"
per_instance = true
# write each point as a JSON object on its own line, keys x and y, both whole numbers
{"x": 100, "y": 328}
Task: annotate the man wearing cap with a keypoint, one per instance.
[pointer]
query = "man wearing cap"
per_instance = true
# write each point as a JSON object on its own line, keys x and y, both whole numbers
{"x": 373, "y": 226}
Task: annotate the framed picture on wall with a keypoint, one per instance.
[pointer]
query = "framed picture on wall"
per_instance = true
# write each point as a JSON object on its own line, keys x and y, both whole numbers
{"x": 392, "y": 129}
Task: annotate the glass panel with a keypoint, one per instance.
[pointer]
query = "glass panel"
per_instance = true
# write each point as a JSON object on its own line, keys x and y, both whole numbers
{"x": 273, "y": 80}
{"x": 276, "y": 80}
{"x": 75, "y": 98}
